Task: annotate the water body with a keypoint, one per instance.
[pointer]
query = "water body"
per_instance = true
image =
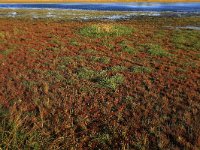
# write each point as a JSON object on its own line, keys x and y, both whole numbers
{"x": 174, "y": 7}
{"x": 90, "y": 11}
{"x": 184, "y": 27}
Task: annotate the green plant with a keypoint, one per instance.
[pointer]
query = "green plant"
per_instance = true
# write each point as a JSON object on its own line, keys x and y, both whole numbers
{"x": 85, "y": 73}
{"x": 159, "y": 34}
{"x": 100, "y": 77}
{"x": 34, "y": 51}
{"x": 117, "y": 68}
{"x": 127, "y": 48}
{"x": 111, "y": 82}
{"x": 102, "y": 30}
{"x": 64, "y": 62}
{"x": 74, "y": 42}
{"x": 186, "y": 40}
{"x": 18, "y": 31}
{"x": 6, "y": 52}
{"x": 55, "y": 75}
{"x": 90, "y": 51}
{"x": 53, "y": 48}
{"x": 55, "y": 41}
{"x": 108, "y": 44}
{"x": 79, "y": 58}
{"x": 103, "y": 59}
{"x": 103, "y": 138}
{"x": 140, "y": 69}
{"x": 13, "y": 134}
{"x": 190, "y": 64}
{"x": 2, "y": 35}
{"x": 156, "y": 50}
{"x": 29, "y": 84}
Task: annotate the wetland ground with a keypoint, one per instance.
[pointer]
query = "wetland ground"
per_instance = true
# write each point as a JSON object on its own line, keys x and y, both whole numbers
{"x": 132, "y": 84}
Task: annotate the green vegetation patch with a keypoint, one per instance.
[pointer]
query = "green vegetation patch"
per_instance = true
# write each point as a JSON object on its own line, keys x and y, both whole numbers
{"x": 103, "y": 59}
{"x": 2, "y": 35}
{"x": 74, "y": 42}
{"x": 156, "y": 50}
{"x": 186, "y": 40}
{"x": 53, "y": 49}
{"x": 13, "y": 133}
{"x": 66, "y": 60}
{"x": 103, "y": 138}
{"x": 85, "y": 73}
{"x": 102, "y": 30}
{"x": 117, "y": 68}
{"x": 159, "y": 34}
{"x": 29, "y": 84}
{"x": 127, "y": 48}
{"x": 108, "y": 44}
{"x": 111, "y": 82}
{"x": 89, "y": 74}
{"x": 6, "y": 52}
{"x": 140, "y": 69}
{"x": 89, "y": 51}
{"x": 55, "y": 75}
{"x": 100, "y": 77}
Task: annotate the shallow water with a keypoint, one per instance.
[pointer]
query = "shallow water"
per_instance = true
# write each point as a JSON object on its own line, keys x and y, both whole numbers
{"x": 87, "y": 15}
{"x": 175, "y": 7}
{"x": 185, "y": 27}
{"x": 189, "y": 27}
{"x": 101, "y": 11}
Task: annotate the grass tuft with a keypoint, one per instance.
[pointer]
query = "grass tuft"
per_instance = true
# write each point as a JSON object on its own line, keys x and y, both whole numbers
{"x": 111, "y": 82}
{"x": 156, "y": 50}
{"x": 186, "y": 40}
{"x": 74, "y": 42}
{"x": 89, "y": 51}
{"x": 85, "y": 73}
{"x": 117, "y": 68}
{"x": 6, "y": 52}
{"x": 102, "y": 30}
{"x": 127, "y": 48}
{"x": 104, "y": 60}
{"x": 140, "y": 69}
{"x": 2, "y": 35}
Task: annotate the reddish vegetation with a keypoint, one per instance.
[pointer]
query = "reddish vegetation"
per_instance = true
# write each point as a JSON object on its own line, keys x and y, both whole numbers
{"x": 39, "y": 85}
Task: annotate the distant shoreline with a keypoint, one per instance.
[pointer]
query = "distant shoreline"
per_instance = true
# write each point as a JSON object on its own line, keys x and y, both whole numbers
{"x": 86, "y": 15}
{"x": 160, "y": 7}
